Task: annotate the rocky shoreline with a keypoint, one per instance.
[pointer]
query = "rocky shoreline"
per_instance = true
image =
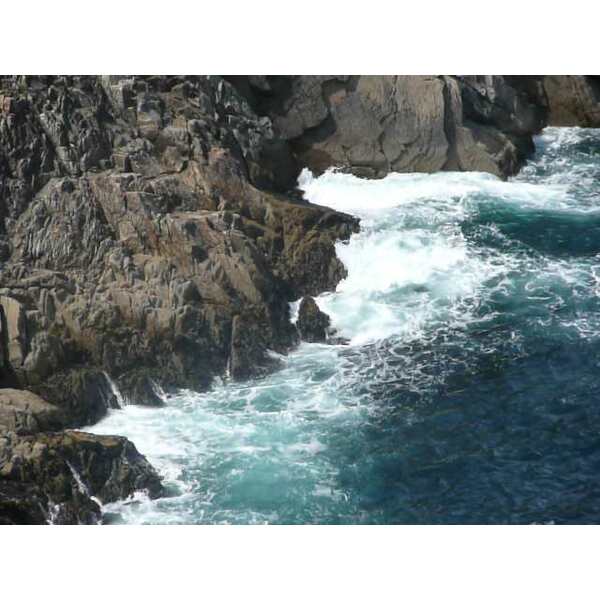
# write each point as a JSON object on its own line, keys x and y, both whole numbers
{"x": 151, "y": 238}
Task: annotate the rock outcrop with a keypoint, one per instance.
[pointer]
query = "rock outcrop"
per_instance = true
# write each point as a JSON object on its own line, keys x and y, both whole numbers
{"x": 373, "y": 125}
{"x": 48, "y": 476}
{"x": 146, "y": 243}
{"x": 573, "y": 100}
{"x": 144, "y": 234}
{"x": 312, "y": 322}
{"x": 64, "y": 478}
{"x": 151, "y": 238}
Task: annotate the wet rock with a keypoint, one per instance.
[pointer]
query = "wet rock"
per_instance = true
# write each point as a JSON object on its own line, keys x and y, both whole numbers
{"x": 140, "y": 388}
{"x": 312, "y": 322}
{"x": 69, "y": 474}
{"x": 250, "y": 348}
{"x": 336, "y": 340}
{"x": 22, "y": 504}
{"x": 83, "y": 395}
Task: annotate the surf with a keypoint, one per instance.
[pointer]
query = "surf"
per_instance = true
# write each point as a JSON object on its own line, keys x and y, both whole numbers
{"x": 472, "y": 309}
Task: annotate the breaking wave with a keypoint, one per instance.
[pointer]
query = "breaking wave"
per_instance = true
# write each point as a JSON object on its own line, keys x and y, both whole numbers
{"x": 468, "y": 392}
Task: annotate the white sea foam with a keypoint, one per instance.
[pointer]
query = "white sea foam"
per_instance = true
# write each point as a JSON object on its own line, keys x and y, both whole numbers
{"x": 368, "y": 198}
{"x": 411, "y": 261}
{"x": 424, "y": 264}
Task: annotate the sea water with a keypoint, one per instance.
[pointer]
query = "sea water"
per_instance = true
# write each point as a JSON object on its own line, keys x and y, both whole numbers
{"x": 469, "y": 391}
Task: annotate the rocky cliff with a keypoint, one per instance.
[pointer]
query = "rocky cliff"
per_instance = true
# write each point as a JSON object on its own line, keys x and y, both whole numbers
{"x": 151, "y": 236}
{"x": 144, "y": 236}
{"x": 144, "y": 240}
{"x": 372, "y": 125}
{"x": 572, "y": 100}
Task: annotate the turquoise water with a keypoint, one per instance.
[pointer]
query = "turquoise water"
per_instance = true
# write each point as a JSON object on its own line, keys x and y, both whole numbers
{"x": 469, "y": 392}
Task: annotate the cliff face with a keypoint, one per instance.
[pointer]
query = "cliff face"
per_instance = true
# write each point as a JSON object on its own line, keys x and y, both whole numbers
{"x": 150, "y": 233}
{"x": 573, "y": 100}
{"x": 144, "y": 239}
{"x": 143, "y": 236}
{"x": 373, "y": 125}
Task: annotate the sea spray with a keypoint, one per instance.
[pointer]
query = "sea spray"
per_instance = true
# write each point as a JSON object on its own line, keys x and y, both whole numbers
{"x": 468, "y": 393}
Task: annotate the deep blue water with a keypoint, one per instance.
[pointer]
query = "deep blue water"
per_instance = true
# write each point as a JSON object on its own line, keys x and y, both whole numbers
{"x": 470, "y": 390}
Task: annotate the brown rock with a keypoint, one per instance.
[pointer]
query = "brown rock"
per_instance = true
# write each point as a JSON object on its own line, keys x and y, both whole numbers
{"x": 573, "y": 100}
{"x": 136, "y": 233}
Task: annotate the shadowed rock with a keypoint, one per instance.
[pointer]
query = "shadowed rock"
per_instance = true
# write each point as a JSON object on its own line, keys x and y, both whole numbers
{"x": 312, "y": 322}
{"x": 69, "y": 474}
{"x": 84, "y": 395}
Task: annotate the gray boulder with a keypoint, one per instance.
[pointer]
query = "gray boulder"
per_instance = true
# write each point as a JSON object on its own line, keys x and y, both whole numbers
{"x": 25, "y": 413}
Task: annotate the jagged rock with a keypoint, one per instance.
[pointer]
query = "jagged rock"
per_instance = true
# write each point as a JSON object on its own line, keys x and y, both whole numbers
{"x": 140, "y": 216}
{"x": 83, "y": 395}
{"x": 312, "y": 322}
{"x": 490, "y": 128}
{"x": 147, "y": 230}
{"x": 508, "y": 103}
{"x": 23, "y": 412}
{"x": 250, "y": 345}
{"x": 140, "y": 388}
{"x": 69, "y": 473}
